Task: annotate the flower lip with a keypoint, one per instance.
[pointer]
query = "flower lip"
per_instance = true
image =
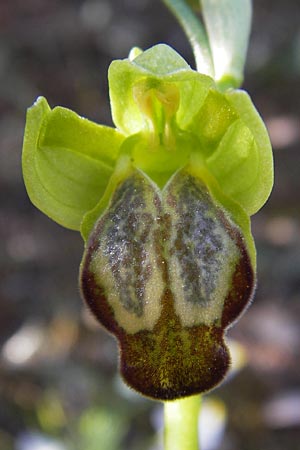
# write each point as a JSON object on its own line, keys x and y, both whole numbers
{"x": 167, "y": 272}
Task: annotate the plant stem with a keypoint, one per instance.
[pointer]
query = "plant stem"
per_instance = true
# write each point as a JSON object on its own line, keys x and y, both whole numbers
{"x": 181, "y": 423}
{"x": 196, "y": 34}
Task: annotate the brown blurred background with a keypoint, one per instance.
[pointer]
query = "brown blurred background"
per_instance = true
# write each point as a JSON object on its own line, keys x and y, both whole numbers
{"x": 59, "y": 388}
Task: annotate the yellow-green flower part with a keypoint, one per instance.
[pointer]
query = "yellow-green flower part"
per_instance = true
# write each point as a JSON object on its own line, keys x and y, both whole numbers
{"x": 163, "y": 202}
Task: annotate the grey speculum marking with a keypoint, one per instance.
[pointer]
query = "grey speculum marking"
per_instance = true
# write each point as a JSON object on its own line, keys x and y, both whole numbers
{"x": 198, "y": 244}
{"x": 127, "y": 226}
{"x": 135, "y": 218}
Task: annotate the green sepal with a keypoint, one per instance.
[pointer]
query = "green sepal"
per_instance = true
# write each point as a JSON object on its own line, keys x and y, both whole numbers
{"x": 159, "y": 66}
{"x": 67, "y": 162}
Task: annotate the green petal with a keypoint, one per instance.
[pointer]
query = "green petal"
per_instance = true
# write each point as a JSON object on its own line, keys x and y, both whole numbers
{"x": 67, "y": 162}
{"x": 235, "y": 146}
{"x": 236, "y": 163}
{"x": 159, "y": 64}
{"x": 252, "y": 195}
{"x": 212, "y": 120}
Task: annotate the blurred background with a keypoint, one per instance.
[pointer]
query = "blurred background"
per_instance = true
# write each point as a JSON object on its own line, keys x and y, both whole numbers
{"x": 59, "y": 388}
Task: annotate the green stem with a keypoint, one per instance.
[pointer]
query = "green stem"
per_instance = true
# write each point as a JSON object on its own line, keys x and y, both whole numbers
{"x": 181, "y": 423}
{"x": 196, "y": 34}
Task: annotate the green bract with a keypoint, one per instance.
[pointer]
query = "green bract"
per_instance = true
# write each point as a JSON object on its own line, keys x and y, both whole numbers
{"x": 228, "y": 27}
{"x": 163, "y": 202}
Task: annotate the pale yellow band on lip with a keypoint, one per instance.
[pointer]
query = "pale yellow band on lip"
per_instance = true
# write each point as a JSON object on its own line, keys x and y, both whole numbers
{"x": 154, "y": 285}
{"x": 225, "y": 258}
{"x": 213, "y": 277}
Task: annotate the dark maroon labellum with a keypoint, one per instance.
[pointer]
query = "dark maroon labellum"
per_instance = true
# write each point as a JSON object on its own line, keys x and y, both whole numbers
{"x": 166, "y": 272}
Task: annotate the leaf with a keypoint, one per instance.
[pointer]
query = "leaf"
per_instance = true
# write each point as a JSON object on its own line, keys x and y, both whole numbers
{"x": 228, "y": 26}
{"x": 67, "y": 162}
